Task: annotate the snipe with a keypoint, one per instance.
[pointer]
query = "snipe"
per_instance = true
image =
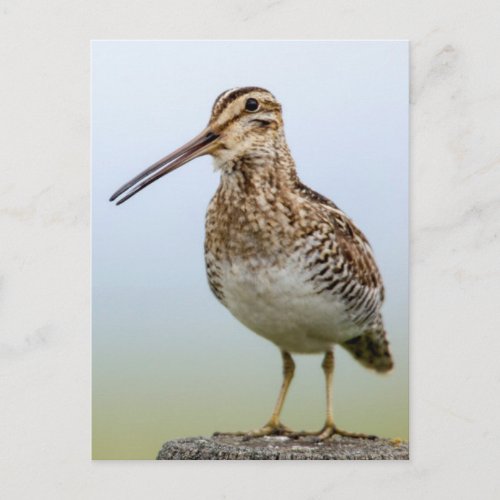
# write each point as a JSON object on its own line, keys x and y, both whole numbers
{"x": 285, "y": 260}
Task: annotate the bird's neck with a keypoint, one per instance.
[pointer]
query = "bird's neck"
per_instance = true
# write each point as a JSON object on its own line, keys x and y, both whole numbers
{"x": 252, "y": 212}
{"x": 260, "y": 170}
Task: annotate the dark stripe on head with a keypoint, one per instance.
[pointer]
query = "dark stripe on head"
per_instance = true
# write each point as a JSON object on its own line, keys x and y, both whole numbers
{"x": 224, "y": 99}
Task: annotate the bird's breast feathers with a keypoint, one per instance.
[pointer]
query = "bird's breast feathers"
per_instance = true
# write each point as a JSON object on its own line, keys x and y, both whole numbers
{"x": 304, "y": 278}
{"x": 283, "y": 304}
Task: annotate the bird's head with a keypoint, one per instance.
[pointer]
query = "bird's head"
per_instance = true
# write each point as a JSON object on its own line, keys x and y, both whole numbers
{"x": 245, "y": 122}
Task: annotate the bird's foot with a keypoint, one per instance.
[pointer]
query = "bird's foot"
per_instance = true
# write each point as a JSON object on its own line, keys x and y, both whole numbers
{"x": 269, "y": 429}
{"x": 329, "y": 430}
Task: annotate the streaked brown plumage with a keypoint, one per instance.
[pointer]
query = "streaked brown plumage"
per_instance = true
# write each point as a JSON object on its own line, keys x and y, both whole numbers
{"x": 285, "y": 260}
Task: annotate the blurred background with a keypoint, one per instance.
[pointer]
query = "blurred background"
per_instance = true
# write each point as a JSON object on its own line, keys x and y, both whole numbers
{"x": 168, "y": 360}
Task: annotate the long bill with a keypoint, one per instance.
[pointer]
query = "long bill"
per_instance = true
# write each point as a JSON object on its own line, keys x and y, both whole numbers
{"x": 196, "y": 147}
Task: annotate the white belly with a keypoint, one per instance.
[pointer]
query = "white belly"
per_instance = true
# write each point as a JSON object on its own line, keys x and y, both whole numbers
{"x": 280, "y": 305}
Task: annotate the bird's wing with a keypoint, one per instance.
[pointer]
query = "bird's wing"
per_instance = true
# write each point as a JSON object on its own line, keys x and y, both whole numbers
{"x": 353, "y": 247}
{"x": 342, "y": 263}
{"x": 356, "y": 251}
{"x": 357, "y": 281}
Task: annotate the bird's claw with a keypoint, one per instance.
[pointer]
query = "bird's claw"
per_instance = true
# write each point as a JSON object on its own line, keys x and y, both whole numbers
{"x": 269, "y": 429}
{"x": 329, "y": 430}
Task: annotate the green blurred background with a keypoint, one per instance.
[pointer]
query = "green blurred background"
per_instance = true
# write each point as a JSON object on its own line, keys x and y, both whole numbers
{"x": 168, "y": 360}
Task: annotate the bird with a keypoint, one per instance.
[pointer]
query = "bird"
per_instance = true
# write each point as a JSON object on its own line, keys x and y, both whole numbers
{"x": 286, "y": 261}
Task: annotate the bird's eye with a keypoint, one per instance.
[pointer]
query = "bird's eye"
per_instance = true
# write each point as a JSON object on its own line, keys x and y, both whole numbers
{"x": 252, "y": 104}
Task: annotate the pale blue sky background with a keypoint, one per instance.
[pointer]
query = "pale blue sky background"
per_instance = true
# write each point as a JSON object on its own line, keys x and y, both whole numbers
{"x": 168, "y": 359}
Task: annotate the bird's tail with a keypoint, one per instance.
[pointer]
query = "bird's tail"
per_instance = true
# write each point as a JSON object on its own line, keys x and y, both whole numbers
{"x": 372, "y": 350}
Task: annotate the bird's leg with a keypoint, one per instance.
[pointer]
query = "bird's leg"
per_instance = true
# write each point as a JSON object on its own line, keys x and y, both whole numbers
{"x": 329, "y": 429}
{"x": 274, "y": 426}
{"x": 328, "y": 366}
